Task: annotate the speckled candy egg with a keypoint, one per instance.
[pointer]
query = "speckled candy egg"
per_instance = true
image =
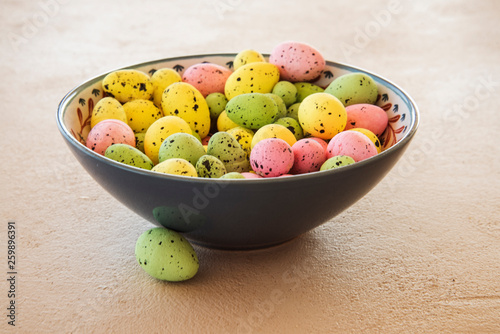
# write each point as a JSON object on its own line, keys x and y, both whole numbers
{"x": 370, "y": 135}
{"x": 139, "y": 140}
{"x": 274, "y": 131}
{"x": 128, "y": 85}
{"x": 323, "y": 144}
{"x": 107, "y": 108}
{"x": 226, "y": 148}
{"x": 209, "y": 166}
{"x": 224, "y": 123}
{"x": 293, "y": 111}
{"x": 287, "y": 91}
{"x": 128, "y": 155}
{"x": 233, "y": 175}
{"x": 353, "y": 144}
{"x": 207, "y": 77}
{"x": 252, "y": 78}
{"x": 367, "y": 116}
{"x": 161, "y": 79}
{"x": 354, "y": 88}
{"x": 159, "y": 131}
{"x": 293, "y": 125}
{"x": 216, "y": 104}
{"x": 251, "y": 175}
{"x": 271, "y": 157}
{"x": 337, "y": 162}
{"x": 304, "y": 89}
{"x": 176, "y": 166}
{"x": 309, "y": 155}
{"x": 141, "y": 114}
{"x": 185, "y": 101}
{"x": 246, "y": 57}
{"x": 322, "y": 115}
{"x": 252, "y": 110}
{"x": 279, "y": 103}
{"x": 297, "y": 61}
{"x": 107, "y": 133}
{"x": 166, "y": 255}
{"x": 244, "y": 136}
{"x": 181, "y": 145}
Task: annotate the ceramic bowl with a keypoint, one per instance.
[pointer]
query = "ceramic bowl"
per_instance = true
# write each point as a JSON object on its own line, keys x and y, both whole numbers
{"x": 238, "y": 214}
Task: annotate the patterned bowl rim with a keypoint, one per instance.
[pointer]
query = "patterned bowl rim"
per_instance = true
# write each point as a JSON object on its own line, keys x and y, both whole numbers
{"x": 405, "y": 97}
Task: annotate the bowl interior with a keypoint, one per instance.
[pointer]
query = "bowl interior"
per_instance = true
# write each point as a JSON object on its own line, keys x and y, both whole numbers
{"x": 77, "y": 106}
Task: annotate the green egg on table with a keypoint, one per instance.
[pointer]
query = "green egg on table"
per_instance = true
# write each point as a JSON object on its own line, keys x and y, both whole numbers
{"x": 181, "y": 145}
{"x": 287, "y": 91}
{"x": 128, "y": 155}
{"x": 166, "y": 255}
{"x": 226, "y": 148}
{"x": 209, "y": 166}
{"x": 354, "y": 88}
{"x": 128, "y": 85}
{"x": 304, "y": 89}
{"x": 337, "y": 162}
{"x": 252, "y": 110}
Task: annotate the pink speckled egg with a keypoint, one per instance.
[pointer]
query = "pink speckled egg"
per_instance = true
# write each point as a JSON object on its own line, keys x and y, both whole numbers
{"x": 323, "y": 144}
{"x": 207, "y": 77}
{"x": 309, "y": 155}
{"x": 353, "y": 144}
{"x": 248, "y": 175}
{"x": 271, "y": 157}
{"x": 297, "y": 61}
{"x": 109, "y": 132}
{"x": 366, "y": 116}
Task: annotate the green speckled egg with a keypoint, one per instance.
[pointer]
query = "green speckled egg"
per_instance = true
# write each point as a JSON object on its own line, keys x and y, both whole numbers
{"x": 128, "y": 155}
{"x": 252, "y": 78}
{"x": 354, "y": 88}
{"x": 181, "y": 145}
{"x": 287, "y": 91}
{"x": 293, "y": 111}
{"x": 209, "y": 166}
{"x": 139, "y": 141}
{"x": 279, "y": 103}
{"x": 304, "y": 89}
{"x": 216, "y": 104}
{"x": 227, "y": 149}
{"x": 293, "y": 125}
{"x": 128, "y": 85}
{"x": 166, "y": 255}
{"x": 232, "y": 175}
{"x": 253, "y": 110}
{"x": 336, "y": 162}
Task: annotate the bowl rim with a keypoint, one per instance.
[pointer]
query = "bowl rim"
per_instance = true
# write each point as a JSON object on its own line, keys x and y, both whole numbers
{"x": 62, "y": 108}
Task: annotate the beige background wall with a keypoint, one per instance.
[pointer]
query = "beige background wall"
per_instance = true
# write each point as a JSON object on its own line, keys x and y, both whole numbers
{"x": 420, "y": 253}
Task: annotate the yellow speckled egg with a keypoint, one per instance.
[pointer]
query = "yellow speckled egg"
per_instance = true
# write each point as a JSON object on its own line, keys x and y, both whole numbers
{"x": 224, "y": 123}
{"x": 247, "y": 57}
{"x": 107, "y": 108}
{"x": 322, "y": 115}
{"x": 185, "y": 101}
{"x": 274, "y": 131}
{"x": 252, "y": 78}
{"x": 370, "y": 135}
{"x": 159, "y": 131}
{"x": 244, "y": 136}
{"x": 141, "y": 114}
{"x": 176, "y": 166}
{"x": 161, "y": 79}
{"x": 128, "y": 85}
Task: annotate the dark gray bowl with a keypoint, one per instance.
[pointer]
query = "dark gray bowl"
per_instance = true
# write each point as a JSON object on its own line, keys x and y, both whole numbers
{"x": 238, "y": 214}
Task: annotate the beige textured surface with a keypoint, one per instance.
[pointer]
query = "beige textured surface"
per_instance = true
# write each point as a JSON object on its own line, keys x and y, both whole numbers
{"x": 420, "y": 253}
